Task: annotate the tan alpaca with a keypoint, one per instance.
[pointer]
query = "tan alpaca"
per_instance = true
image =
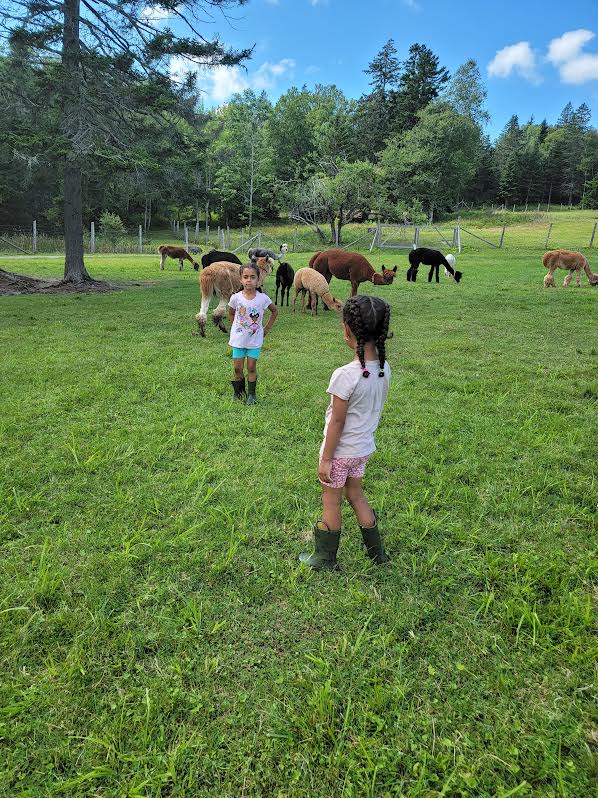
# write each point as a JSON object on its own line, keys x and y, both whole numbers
{"x": 571, "y": 262}
{"x": 224, "y": 280}
{"x": 310, "y": 280}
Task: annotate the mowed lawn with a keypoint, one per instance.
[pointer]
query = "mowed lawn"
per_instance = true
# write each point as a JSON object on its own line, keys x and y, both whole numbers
{"x": 158, "y": 635}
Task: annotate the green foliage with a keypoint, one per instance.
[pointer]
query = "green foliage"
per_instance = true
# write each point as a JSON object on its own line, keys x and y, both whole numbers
{"x": 591, "y": 193}
{"x": 158, "y": 636}
{"x": 111, "y": 224}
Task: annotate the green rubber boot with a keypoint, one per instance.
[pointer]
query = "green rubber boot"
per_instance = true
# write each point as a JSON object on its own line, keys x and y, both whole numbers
{"x": 326, "y": 545}
{"x": 238, "y": 387}
{"x": 251, "y": 400}
{"x": 372, "y": 540}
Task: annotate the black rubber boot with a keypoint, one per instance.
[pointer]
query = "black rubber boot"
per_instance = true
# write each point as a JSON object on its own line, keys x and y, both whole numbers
{"x": 251, "y": 400}
{"x": 372, "y": 540}
{"x": 326, "y": 545}
{"x": 239, "y": 388}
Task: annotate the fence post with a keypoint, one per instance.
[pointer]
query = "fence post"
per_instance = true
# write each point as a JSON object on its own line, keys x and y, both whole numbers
{"x": 502, "y": 235}
{"x": 34, "y": 243}
{"x": 140, "y": 239}
{"x": 548, "y": 236}
{"x": 186, "y": 236}
{"x": 593, "y": 234}
{"x": 538, "y": 207}
{"x": 228, "y": 235}
{"x": 218, "y": 238}
{"x": 459, "y": 238}
{"x": 207, "y": 234}
{"x": 92, "y": 238}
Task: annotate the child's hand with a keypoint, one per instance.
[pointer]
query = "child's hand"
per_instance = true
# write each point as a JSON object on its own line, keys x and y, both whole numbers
{"x": 324, "y": 469}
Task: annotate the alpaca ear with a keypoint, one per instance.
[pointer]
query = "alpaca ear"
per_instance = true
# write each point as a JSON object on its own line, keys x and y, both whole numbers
{"x": 395, "y": 268}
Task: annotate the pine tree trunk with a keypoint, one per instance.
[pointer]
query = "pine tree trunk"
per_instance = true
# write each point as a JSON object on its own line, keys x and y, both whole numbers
{"x": 74, "y": 267}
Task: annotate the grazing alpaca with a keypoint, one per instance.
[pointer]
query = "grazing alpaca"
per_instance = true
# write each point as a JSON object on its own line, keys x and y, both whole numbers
{"x": 307, "y": 279}
{"x": 284, "y": 280}
{"x": 452, "y": 260}
{"x": 178, "y": 253}
{"x": 570, "y": 261}
{"x": 350, "y": 266}
{"x": 432, "y": 258}
{"x": 222, "y": 279}
{"x": 216, "y": 256}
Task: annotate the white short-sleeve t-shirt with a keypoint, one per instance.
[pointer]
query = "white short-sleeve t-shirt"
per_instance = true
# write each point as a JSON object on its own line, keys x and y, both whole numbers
{"x": 247, "y": 330}
{"x": 366, "y": 397}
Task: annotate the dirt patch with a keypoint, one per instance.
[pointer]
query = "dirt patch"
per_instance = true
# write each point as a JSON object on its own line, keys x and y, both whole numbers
{"x": 11, "y": 283}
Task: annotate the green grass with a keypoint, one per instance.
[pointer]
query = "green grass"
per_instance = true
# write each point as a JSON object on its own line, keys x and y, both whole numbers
{"x": 158, "y": 636}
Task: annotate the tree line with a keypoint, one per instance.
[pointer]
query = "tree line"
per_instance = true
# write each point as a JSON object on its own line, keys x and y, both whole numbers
{"x": 412, "y": 147}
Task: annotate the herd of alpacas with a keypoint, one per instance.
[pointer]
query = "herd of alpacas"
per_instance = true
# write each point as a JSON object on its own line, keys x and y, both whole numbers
{"x": 220, "y": 275}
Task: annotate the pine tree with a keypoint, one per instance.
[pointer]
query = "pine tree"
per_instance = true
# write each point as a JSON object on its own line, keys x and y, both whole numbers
{"x": 421, "y": 82}
{"x": 385, "y": 69}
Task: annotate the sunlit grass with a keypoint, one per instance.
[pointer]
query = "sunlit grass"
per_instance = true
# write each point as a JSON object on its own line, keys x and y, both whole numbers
{"x": 157, "y": 634}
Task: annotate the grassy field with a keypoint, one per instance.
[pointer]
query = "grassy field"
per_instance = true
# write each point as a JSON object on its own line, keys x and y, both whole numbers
{"x": 158, "y": 636}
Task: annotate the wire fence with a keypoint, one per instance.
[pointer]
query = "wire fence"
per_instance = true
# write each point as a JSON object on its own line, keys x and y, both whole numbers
{"x": 575, "y": 234}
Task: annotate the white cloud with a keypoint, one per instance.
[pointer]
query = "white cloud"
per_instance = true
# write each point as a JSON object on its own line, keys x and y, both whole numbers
{"x": 580, "y": 70}
{"x": 220, "y": 83}
{"x": 518, "y": 58}
{"x": 566, "y": 53}
{"x": 154, "y": 13}
{"x": 567, "y": 46}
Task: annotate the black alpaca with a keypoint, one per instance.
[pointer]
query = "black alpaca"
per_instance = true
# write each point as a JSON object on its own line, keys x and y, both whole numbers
{"x": 432, "y": 258}
{"x": 284, "y": 280}
{"x": 216, "y": 255}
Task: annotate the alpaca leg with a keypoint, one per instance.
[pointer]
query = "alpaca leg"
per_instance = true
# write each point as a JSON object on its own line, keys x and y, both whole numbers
{"x": 162, "y": 259}
{"x": 430, "y": 274}
{"x": 219, "y": 315}
{"x": 313, "y": 298}
{"x": 354, "y": 287}
{"x": 567, "y": 279}
{"x": 180, "y": 264}
{"x": 578, "y": 277}
{"x": 549, "y": 279}
{"x": 295, "y": 298}
{"x": 202, "y": 315}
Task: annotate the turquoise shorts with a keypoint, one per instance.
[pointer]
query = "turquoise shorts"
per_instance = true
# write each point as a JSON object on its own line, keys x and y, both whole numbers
{"x": 239, "y": 351}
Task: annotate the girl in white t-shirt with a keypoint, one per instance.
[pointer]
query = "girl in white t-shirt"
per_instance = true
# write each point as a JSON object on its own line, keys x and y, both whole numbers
{"x": 357, "y": 394}
{"x": 246, "y": 312}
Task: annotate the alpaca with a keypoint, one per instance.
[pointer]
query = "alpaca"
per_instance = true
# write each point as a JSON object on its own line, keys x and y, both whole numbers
{"x": 284, "y": 280}
{"x": 284, "y": 248}
{"x": 432, "y": 258}
{"x": 178, "y": 253}
{"x": 224, "y": 280}
{"x": 350, "y": 266}
{"x": 261, "y": 252}
{"x": 570, "y": 261}
{"x": 307, "y": 279}
{"x": 216, "y": 256}
{"x": 452, "y": 260}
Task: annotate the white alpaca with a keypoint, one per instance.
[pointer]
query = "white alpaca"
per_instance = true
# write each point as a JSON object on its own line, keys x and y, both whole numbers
{"x": 452, "y": 260}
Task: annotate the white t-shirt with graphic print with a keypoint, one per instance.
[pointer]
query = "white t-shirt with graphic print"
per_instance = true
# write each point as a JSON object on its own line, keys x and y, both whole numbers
{"x": 247, "y": 330}
{"x": 366, "y": 397}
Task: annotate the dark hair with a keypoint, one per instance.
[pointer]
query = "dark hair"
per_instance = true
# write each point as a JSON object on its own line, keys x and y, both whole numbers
{"x": 367, "y": 317}
{"x": 253, "y": 266}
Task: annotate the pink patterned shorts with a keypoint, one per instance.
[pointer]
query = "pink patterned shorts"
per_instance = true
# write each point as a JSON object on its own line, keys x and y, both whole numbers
{"x": 343, "y": 467}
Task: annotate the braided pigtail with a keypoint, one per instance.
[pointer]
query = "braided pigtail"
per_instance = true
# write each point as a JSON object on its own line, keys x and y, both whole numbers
{"x": 381, "y": 339}
{"x": 367, "y": 317}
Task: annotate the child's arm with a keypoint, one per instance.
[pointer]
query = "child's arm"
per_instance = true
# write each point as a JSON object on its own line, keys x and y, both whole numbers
{"x": 333, "y": 436}
{"x": 273, "y": 314}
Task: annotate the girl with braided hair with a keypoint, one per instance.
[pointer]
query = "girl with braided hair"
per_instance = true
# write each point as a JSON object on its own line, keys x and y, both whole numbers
{"x": 357, "y": 395}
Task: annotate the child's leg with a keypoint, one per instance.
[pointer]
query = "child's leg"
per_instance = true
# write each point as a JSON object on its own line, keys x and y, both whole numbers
{"x": 251, "y": 369}
{"x": 331, "y": 507}
{"x": 238, "y": 364}
{"x": 357, "y": 499}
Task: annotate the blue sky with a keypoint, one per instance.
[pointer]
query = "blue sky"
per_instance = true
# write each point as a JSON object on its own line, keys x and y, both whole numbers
{"x": 534, "y": 55}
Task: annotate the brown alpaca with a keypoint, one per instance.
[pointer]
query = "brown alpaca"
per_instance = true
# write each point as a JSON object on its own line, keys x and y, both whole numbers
{"x": 571, "y": 262}
{"x": 312, "y": 281}
{"x": 350, "y": 266}
{"x": 224, "y": 280}
{"x": 178, "y": 253}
